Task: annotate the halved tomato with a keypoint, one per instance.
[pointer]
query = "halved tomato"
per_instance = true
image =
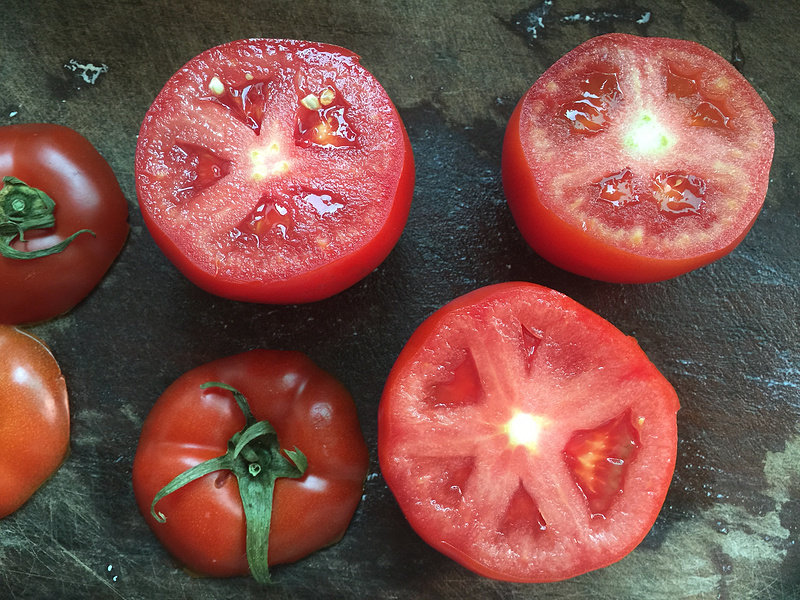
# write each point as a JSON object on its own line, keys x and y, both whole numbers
{"x": 526, "y": 437}
{"x": 637, "y": 159}
{"x": 274, "y": 170}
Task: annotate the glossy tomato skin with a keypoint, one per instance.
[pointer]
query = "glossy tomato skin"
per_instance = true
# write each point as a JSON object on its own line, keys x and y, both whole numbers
{"x": 499, "y": 507}
{"x": 34, "y": 417}
{"x": 65, "y": 165}
{"x": 269, "y": 246}
{"x": 552, "y": 175}
{"x": 308, "y": 408}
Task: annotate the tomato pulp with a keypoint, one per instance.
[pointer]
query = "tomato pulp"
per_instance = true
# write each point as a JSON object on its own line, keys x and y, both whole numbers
{"x": 274, "y": 170}
{"x": 204, "y": 525}
{"x": 526, "y": 437}
{"x": 34, "y": 417}
{"x": 637, "y": 159}
{"x": 64, "y": 165}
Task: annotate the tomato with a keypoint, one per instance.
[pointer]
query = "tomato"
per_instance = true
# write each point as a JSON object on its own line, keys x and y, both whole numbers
{"x": 34, "y": 417}
{"x": 526, "y": 437}
{"x": 65, "y": 166}
{"x": 637, "y": 159}
{"x": 204, "y": 524}
{"x": 274, "y": 171}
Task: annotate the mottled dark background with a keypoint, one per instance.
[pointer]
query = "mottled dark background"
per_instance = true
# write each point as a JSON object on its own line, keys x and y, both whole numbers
{"x": 725, "y": 336}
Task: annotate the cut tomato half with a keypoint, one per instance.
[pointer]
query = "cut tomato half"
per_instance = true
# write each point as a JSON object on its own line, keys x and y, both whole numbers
{"x": 637, "y": 159}
{"x": 526, "y": 437}
{"x": 274, "y": 170}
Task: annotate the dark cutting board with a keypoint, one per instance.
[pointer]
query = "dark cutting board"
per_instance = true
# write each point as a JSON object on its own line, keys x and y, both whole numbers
{"x": 725, "y": 335}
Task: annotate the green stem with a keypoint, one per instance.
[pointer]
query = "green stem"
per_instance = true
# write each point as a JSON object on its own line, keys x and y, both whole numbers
{"x": 256, "y": 459}
{"x": 22, "y": 208}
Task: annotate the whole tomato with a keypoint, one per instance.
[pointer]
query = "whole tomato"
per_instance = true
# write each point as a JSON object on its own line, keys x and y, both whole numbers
{"x": 34, "y": 417}
{"x": 218, "y": 440}
{"x": 525, "y": 436}
{"x": 55, "y": 185}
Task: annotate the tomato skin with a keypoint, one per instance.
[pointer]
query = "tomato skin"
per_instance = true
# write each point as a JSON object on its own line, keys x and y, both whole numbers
{"x": 34, "y": 417}
{"x": 568, "y": 242}
{"x": 308, "y": 408}
{"x": 65, "y": 165}
{"x": 421, "y": 437}
{"x": 358, "y": 237}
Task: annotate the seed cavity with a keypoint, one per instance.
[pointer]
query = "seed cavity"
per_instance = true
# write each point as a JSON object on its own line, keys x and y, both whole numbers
{"x": 197, "y": 168}
{"x": 323, "y": 121}
{"x": 599, "y": 458}
{"x": 246, "y": 102}
{"x": 679, "y": 193}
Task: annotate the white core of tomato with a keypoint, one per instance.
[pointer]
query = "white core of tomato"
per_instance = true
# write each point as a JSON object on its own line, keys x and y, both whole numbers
{"x": 647, "y": 136}
{"x": 267, "y": 161}
{"x": 523, "y": 430}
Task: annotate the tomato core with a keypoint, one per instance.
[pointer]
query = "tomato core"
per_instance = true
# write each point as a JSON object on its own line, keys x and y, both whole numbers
{"x": 523, "y": 430}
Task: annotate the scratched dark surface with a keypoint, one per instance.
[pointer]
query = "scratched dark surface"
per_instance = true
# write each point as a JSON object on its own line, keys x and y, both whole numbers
{"x": 725, "y": 336}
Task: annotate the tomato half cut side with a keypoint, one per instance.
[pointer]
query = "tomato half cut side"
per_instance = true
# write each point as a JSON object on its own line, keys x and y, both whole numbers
{"x": 636, "y": 159}
{"x": 274, "y": 171}
{"x": 525, "y": 436}
{"x": 34, "y": 417}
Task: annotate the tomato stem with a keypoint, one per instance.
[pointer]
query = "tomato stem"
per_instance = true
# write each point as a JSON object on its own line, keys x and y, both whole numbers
{"x": 23, "y": 207}
{"x": 254, "y": 456}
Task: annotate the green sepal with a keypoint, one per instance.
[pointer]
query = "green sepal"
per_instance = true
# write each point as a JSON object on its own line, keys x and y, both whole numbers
{"x": 255, "y": 458}
{"x": 23, "y": 208}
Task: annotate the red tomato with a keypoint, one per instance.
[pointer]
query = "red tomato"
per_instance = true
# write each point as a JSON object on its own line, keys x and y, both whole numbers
{"x": 34, "y": 417}
{"x": 526, "y": 437}
{"x": 205, "y": 523}
{"x": 67, "y": 168}
{"x": 274, "y": 171}
{"x": 637, "y": 159}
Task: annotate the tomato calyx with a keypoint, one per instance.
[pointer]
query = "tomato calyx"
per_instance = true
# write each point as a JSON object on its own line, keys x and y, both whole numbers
{"x": 255, "y": 458}
{"x": 23, "y": 207}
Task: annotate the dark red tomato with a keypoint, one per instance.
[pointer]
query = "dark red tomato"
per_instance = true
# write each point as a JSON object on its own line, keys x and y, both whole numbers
{"x": 637, "y": 159}
{"x": 274, "y": 171}
{"x": 205, "y": 526}
{"x": 526, "y": 437}
{"x": 68, "y": 169}
{"x": 34, "y": 417}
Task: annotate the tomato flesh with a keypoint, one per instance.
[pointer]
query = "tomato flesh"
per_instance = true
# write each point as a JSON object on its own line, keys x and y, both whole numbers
{"x": 637, "y": 159}
{"x": 526, "y": 437}
{"x": 274, "y": 170}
